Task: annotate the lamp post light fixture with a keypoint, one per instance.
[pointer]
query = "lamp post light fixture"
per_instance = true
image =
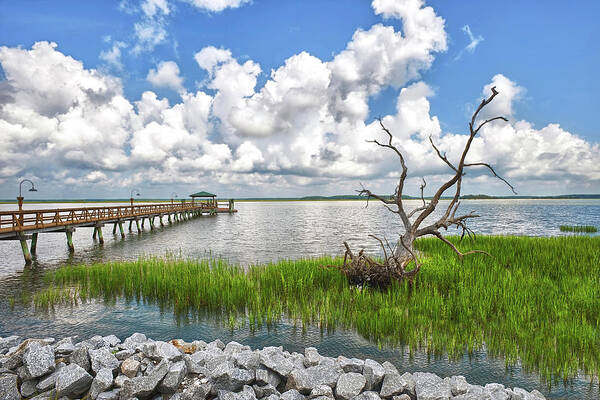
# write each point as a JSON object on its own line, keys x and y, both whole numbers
{"x": 20, "y": 198}
{"x": 173, "y": 195}
{"x": 137, "y": 194}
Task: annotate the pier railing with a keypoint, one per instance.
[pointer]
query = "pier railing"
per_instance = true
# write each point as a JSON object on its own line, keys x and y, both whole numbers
{"x": 20, "y": 221}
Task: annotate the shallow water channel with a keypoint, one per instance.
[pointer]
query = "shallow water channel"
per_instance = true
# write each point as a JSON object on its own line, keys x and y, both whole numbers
{"x": 263, "y": 232}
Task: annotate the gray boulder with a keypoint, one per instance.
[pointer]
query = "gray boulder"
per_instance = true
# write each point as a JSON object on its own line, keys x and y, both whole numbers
{"x": 64, "y": 346}
{"x": 143, "y": 386}
{"x": 305, "y": 380}
{"x": 101, "y": 383}
{"x": 349, "y": 385}
{"x": 374, "y": 373}
{"x": 196, "y": 390}
{"x": 38, "y": 360}
{"x": 72, "y": 380}
{"x": 351, "y": 364}
{"x": 130, "y": 367}
{"x": 321, "y": 391}
{"x": 47, "y": 382}
{"x": 292, "y": 394}
{"x": 124, "y": 354}
{"x": 265, "y": 376}
{"x": 458, "y": 385}
{"x": 111, "y": 395}
{"x": 266, "y": 390}
{"x": 217, "y": 344}
{"x": 234, "y": 347}
{"x": 173, "y": 378}
{"x": 81, "y": 357}
{"x": 402, "y": 397}
{"x": 195, "y": 364}
{"x": 274, "y": 359}
{"x": 392, "y": 385}
{"x": 522, "y": 394}
{"x": 159, "y": 350}
{"x": 246, "y": 359}
{"x": 28, "y": 388}
{"x": 429, "y": 386}
{"x": 389, "y": 368}
{"x": 369, "y": 395}
{"x": 227, "y": 377}
{"x": 311, "y": 357}
{"x": 8, "y": 342}
{"x": 8, "y": 387}
{"x": 111, "y": 340}
{"x": 134, "y": 342}
{"x": 103, "y": 358}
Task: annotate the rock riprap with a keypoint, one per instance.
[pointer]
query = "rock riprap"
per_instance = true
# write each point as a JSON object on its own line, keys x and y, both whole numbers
{"x": 106, "y": 368}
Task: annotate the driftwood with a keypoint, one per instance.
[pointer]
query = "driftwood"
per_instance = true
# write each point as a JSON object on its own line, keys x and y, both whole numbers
{"x": 362, "y": 269}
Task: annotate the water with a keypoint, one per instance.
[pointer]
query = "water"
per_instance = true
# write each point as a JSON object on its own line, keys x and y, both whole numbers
{"x": 263, "y": 232}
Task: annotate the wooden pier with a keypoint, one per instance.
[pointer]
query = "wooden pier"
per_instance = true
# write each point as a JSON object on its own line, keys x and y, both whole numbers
{"x": 25, "y": 225}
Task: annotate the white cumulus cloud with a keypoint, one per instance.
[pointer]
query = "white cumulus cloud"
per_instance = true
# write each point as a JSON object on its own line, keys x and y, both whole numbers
{"x": 167, "y": 75}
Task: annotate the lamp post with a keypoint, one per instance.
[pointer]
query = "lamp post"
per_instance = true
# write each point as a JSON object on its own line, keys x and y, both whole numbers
{"x": 20, "y": 198}
{"x": 173, "y": 195}
{"x": 137, "y": 194}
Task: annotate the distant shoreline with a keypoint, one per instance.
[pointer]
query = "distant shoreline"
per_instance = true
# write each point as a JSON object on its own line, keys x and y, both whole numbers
{"x": 315, "y": 198}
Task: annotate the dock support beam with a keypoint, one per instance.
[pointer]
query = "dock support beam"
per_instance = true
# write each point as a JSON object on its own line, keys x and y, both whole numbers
{"x": 130, "y": 222}
{"x": 69, "y": 232}
{"x": 115, "y": 228}
{"x": 151, "y": 221}
{"x": 137, "y": 223}
{"x": 100, "y": 237}
{"x": 26, "y": 254}
{"x": 34, "y": 238}
{"x": 121, "y": 230}
{"x": 160, "y": 217}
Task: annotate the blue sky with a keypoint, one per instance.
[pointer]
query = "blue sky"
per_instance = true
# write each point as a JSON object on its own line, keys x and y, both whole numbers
{"x": 547, "y": 53}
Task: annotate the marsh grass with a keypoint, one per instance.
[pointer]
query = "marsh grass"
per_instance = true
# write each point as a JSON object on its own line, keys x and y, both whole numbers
{"x": 536, "y": 301}
{"x": 579, "y": 228}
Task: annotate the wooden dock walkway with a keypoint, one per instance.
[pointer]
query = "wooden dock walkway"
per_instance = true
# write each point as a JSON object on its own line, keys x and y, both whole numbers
{"x": 27, "y": 224}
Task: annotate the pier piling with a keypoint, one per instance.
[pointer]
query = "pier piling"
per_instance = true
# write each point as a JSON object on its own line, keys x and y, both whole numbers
{"x": 69, "y": 233}
{"x": 26, "y": 253}
{"x": 34, "y": 238}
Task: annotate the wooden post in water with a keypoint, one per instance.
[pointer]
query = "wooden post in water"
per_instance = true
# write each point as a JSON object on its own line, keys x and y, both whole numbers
{"x": 115, "y": 228}
{"x": 34, "y": 238}
{"x": 69, "y": 232}
{"x": 130, "y": 223}
{"x": 94, "y": 234}
{"x": 100, "y": 237}
{"x": 160, "y": 218}
{"x": 230, "y": 206}
{"x": 137, "y": 223}
{"x": 26, "y": 254}
{"x": 121, "y": 229}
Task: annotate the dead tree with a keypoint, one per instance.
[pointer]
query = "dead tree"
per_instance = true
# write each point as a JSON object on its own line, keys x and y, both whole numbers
{"x": 363, "y": 269}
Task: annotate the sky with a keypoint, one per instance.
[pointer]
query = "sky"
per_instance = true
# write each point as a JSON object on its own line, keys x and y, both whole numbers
{"x": 271, "y": 98}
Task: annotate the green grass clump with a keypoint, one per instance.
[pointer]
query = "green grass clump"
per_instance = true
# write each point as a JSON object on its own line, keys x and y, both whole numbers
{"x": 579, "y": 228}
{"x": 537, "y": 300}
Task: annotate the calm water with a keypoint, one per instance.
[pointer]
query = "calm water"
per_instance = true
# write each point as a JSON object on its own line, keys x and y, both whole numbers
{"x": 269, "y": 231}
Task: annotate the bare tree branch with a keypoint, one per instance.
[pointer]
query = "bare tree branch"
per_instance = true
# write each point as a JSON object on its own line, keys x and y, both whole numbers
{"x": 453, "y": 247}
{"x": 487, "y": 121}
{"x": 423, "y": 185}
{"x": 443, "y": 157}
{"x": 493, "y": 172}
{"x": 363, "y": 269}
